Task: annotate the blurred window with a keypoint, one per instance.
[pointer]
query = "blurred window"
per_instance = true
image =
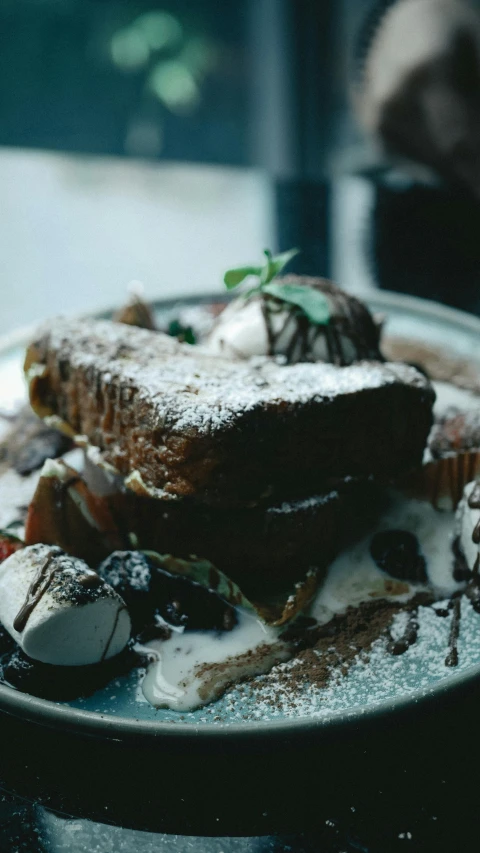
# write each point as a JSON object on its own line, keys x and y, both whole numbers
{"x": 138, "y": 78}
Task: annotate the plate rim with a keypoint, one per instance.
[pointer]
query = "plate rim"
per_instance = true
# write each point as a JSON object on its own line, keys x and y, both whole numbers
{"x": 51, "y": 714}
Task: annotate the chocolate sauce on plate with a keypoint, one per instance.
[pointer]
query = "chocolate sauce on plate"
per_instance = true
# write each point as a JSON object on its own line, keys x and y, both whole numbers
{"x": 452, "y": 656}
{"x": 474, "y": 503}
{"x": 408, "y": 638}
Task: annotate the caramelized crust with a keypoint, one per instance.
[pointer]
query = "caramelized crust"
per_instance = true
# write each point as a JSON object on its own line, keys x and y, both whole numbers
{"x": 179, "y": 422}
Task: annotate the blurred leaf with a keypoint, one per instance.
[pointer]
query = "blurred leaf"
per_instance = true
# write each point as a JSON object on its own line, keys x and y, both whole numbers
{"x": 277, "y": 611}
{"x": 129, "y": 49}
{"x": 314, "y": 304}
{"x": 234, "y": 277}
{"x": 159, "y": 29}
{"x": 275, "y": 264}
{"x": 200, "y": 55}
{"x": 175, "y": 86}
{"x": 185, "y": 334}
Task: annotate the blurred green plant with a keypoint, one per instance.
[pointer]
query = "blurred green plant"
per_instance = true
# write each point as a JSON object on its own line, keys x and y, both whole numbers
{"x": 174, "y": 63}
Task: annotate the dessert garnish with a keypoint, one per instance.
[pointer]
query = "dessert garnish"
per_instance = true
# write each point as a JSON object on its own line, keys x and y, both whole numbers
{"x": 58, "y": 610}
{"x": 184, "y": 334}
{"x": 151, "y": 590}
{"x": 397, "y": 553}
{"x": 9, "y": 543}
{"x": 136, "y": 312}
{"x": 297, "y": 317}
{"x": 452, "y": 456}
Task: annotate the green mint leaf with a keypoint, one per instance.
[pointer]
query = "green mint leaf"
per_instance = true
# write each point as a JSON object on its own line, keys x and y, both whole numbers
{"x": 189, "y": 336}
{"x": 233, "y": 278}
{"x": 185, "y": 334}
{"x": 276, "y": 264}
{"x": 314, "y": 304}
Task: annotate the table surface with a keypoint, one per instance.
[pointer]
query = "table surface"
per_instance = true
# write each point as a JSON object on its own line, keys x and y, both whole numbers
{"x": 74, "y": 232}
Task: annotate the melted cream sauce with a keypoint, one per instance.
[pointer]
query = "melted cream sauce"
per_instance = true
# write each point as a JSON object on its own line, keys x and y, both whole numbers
{"x": 193, "y": 668}
{"x": 354, "y": 577}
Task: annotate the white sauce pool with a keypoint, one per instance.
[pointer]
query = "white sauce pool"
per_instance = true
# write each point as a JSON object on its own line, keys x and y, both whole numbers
{"x": 192, "y": 668}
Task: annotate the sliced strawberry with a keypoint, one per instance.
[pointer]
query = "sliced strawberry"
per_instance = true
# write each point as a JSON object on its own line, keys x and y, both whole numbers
{"x": 8, "y": 545}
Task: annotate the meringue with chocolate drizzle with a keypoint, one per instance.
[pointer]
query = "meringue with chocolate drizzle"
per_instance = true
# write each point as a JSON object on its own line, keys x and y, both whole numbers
{"x": 262, "y": 325}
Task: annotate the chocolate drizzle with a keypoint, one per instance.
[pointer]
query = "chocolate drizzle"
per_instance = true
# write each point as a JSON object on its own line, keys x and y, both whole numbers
{"x": 461, "y": 572}
{"x": 452, "y": 656}
{"x": 349, "y": 321}
{"x": 474, "y": 499}
{"x": 88, "y": 581}
{"x": 114, "y": 628}
{"x": 473, "y": 589}
{"x": 35, "y": 593}
{"x": 474, "y": 503}
{"x": 408, "y": 638}
{"x": 410, "y": 634}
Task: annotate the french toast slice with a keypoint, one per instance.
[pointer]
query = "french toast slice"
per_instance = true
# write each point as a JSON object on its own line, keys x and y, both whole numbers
{"x": 176, "y": 421}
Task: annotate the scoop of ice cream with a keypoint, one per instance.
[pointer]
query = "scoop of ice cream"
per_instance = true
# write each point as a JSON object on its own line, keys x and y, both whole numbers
{"x": 58, "y": 610}
{"x": 262, "y": 325}
{"x": 468, "y": 524}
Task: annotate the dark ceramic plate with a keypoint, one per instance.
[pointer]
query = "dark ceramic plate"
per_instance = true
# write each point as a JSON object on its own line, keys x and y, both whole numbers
{"x": 155, "y": 746}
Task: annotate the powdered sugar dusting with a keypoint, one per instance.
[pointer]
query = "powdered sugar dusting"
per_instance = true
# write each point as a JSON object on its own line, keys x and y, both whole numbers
{"x": 189, "y": 389}
{"x": 288, "y": 507}
{"x": 376, "y": 675}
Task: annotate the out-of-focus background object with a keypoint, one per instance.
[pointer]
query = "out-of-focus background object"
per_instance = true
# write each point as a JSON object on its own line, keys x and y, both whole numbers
{"x": 166, "y": 140}
{"x": 419, "y": 92}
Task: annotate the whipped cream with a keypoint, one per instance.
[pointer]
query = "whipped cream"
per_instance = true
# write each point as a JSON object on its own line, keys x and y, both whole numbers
{"x": 263, "y": 326}
{"x": 242, "y": 332}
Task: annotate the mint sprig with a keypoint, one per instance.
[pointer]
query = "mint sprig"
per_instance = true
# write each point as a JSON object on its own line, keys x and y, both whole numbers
{"x": 308, "y": 300}
{"x": 272, "y": 267}
{"x": 311, "y": 302}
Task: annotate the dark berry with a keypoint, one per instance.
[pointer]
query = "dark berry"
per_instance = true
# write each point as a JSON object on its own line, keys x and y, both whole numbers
{"x": 182, "y": 602}
{"x": 397, "y": 552}
{"x": 129, "y": 573}
{"x": 148, "y": 589}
